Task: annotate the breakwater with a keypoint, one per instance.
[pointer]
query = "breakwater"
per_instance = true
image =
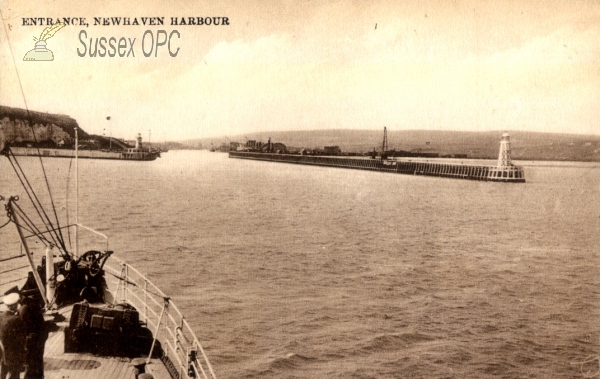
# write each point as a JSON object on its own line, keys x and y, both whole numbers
{"x": 503, "y": 171}
{"x": 137, "y": 155}
{"x": 508, "y": 173}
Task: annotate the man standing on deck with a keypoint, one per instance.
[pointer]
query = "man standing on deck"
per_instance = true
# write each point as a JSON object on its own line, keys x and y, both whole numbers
{"x": 33, "y": 319}
{"x": 12, "y": 338}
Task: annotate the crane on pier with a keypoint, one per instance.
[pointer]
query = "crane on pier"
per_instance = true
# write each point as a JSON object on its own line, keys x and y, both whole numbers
{"x": 384, "y": 145}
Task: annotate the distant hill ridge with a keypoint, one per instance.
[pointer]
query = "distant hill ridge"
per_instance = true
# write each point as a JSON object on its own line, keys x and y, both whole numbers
{"x": 525, "y": 145}
{"x": 56, "y": 130}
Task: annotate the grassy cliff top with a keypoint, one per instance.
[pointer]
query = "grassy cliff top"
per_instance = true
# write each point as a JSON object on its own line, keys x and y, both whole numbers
{"x": 65, "y": 122}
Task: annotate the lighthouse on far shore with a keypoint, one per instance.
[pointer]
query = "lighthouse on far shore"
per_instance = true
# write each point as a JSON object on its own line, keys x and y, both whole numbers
{"x": 504, "y": 154}
{"x": 505, "y": 171}
{"x": 138, "y": 141}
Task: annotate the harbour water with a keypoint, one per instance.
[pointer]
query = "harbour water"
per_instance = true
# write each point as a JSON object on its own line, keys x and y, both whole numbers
{"x": 293, "y": 271}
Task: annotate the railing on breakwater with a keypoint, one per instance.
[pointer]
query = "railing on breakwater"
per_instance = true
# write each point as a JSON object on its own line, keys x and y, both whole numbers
{"x": 510, "y": 173}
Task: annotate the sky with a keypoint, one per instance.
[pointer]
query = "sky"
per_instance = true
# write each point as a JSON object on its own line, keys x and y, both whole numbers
{"x": 306, "y": 65}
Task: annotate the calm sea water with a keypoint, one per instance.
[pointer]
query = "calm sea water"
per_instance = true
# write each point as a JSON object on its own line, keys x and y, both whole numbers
{"x": 306, "y": 272}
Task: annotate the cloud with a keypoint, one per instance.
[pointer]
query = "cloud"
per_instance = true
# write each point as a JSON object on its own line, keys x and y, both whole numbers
{"x": 409, "y": 65}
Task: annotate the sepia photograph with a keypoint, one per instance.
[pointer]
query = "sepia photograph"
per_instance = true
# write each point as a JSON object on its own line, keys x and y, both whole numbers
{"x": 299, "y": 189}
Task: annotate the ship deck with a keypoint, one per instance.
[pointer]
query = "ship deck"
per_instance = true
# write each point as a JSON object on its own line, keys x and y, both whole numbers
{"x": 182, "y": 353}
{"x": 61, "y": 365}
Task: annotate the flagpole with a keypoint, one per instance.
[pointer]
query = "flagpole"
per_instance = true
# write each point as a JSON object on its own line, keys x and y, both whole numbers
{"x": 109, "y": 135}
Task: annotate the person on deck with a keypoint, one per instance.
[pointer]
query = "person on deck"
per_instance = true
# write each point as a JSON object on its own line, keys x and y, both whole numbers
{"x": 12, "y": 338}
{"x": 36, "y": 335}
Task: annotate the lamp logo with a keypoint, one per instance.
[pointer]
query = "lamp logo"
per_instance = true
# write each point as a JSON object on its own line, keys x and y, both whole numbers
{"x": 41, "y": 53}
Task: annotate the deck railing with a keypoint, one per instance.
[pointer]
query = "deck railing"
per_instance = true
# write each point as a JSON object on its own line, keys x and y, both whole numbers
{"x": 185, "y": 357}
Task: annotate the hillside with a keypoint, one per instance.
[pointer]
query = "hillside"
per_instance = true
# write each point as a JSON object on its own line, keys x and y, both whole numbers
{"x": 525, "y": 145}
{"x": 56, "y": 130}
{"x": 49, "y": 130}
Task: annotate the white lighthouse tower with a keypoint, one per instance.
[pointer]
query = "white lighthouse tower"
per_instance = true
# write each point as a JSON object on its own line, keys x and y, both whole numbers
{"x": 138, "y": 141}
{"x": 505, "y": 171}
{"x": 504, "y": 154}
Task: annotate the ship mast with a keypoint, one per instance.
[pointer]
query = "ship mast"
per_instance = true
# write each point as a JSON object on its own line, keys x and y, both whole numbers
{"x": 76, "y": 194}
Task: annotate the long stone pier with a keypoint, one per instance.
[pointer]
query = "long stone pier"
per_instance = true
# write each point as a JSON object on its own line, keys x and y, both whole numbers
{"x": 451, "y": 170}
{"x": 504, "y": 171}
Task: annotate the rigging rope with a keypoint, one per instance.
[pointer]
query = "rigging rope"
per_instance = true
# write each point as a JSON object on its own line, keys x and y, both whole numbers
{"x": 47, "y": 221}
{"x": 37, "y": 203}
{"x": 29, "y": 225}
{"x": 6, "y": 223}
{"x": 31, "y": 195}
{"x": 48, "y": 186}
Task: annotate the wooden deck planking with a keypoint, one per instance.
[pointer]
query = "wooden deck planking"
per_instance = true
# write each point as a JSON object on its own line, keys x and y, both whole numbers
{"x": 109, "y": 370}
{"x": 52, "y": 345}
{"x": 120, "y": 372}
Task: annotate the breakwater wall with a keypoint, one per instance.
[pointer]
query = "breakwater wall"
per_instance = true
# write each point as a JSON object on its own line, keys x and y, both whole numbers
{"x": 500, "y": 173}
{"x": 63, "y": 153}
{"x": 85, "y": 154}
